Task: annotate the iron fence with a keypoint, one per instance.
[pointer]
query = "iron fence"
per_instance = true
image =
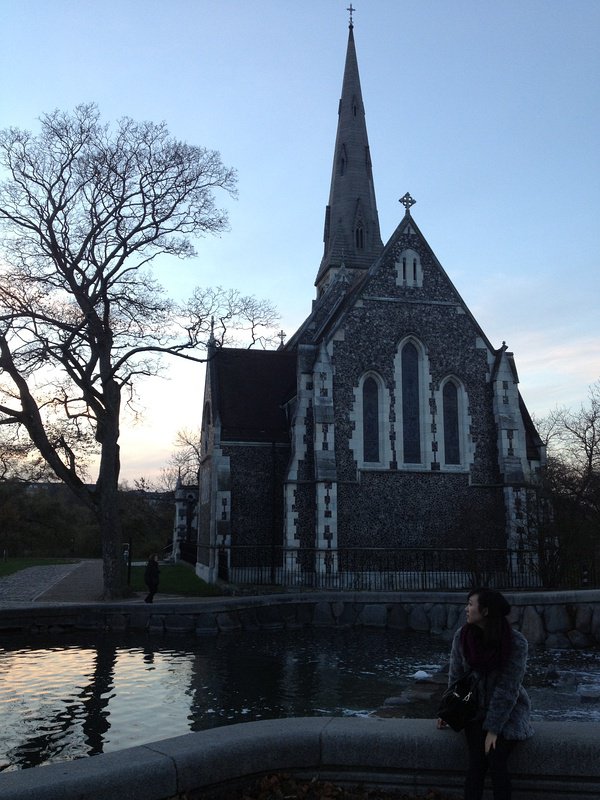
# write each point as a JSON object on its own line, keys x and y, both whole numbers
{"x": 400, "y": 569}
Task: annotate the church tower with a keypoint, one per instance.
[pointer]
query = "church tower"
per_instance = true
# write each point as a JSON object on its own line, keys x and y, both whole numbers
{"x": 386, "y": 435}
{"x": 351, "y": 233}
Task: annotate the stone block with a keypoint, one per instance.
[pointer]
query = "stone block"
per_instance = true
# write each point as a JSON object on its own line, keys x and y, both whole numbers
{"x": 372, "y": 616}
{"x": 116, "y": 622}
{"x": 595, "y": 624}
{"x": 583, "y": 618}
{"x": 578, "y": 639}
{"x": 347, "y": 618}
{"x": 248, "y": 619}
{"x": 90, "y": 622}
{"x": 179, "y": 623}
{"x": 337, "y": 608}
{"x": 397, "y": 617}
{"x": 269, "y": 617}
{"x": 305, "y": 613}
{"x": 323, "y": 616}
{"x": 156, "y": 623}
{"x": 532, "y": 626}
{"x": 206, "y": 625}
{"x": 289, "y": 615}
{"x": 138, "y": 617}
{"x": 456, "y": 617}
{"x": 418, "y": 619}
{"x": 438, "y": 618}
{"x": 556, "y": 618}
{"x": 559, "y": 641}
{"x": 228, "y": 621}
{"x": 514, "y": 617}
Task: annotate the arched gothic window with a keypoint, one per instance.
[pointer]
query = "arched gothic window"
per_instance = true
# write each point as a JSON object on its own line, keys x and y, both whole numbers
{"x": 371, "y": 422}
{"x": 451, "y": 424}
{"x": 411, "y": 428}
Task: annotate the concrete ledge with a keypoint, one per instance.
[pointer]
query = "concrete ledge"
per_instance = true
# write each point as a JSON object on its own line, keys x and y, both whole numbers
{"x": 138, "y": 773}
{"x": 559, "y": 763}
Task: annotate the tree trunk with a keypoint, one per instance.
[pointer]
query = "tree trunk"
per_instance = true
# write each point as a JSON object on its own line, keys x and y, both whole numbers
{"x": 108, "y": 496}
{"x": 112, "y": 557}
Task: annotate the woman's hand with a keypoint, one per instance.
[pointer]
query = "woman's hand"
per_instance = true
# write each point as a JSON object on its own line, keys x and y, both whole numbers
{"x": 490, "y": 741}
{"x": 441, "y": 724}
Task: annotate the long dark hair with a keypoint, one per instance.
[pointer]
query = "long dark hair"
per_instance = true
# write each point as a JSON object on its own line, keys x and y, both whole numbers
{"x": 497, "y": 607}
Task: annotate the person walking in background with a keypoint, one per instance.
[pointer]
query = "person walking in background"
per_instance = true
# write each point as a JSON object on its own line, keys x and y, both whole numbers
{"x": 151, "y": 577}
{"x": 489, "y": 646}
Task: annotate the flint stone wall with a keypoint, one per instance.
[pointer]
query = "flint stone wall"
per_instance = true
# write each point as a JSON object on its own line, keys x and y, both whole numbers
{"x": 553, "y": 619}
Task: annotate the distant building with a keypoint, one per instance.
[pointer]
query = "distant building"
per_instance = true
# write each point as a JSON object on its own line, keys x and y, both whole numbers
{"x": 388, "y": 420}
{"x": 185, "y": 525}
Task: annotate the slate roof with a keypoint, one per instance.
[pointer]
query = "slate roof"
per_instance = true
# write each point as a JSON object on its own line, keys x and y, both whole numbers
{"x": 252, "y": 387}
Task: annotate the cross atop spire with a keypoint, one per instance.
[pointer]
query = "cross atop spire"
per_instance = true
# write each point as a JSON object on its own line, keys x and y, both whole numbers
{"x": 407, "y": 201}
{"x": 351, "y": 9}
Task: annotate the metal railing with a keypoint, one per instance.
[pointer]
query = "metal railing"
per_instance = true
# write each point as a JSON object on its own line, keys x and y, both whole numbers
{"x": 399, "y": 569}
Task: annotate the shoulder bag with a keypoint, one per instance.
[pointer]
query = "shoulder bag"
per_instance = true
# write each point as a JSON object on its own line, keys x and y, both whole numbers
{"x": 459, "y": 702}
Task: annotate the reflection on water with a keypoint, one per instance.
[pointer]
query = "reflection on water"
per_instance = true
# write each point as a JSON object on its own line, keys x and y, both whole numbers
{"x": 73, "y": 697}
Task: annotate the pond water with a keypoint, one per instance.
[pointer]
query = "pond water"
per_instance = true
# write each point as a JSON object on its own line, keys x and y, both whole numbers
{"x": 70, "y": 697}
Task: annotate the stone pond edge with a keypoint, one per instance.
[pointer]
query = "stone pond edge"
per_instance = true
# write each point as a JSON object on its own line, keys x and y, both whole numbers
{"x": 559, "y": 763}
{"x": 552, "y": 619}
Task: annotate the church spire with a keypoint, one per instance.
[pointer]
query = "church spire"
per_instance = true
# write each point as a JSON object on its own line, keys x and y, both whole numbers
{"x": 351, "y": 219}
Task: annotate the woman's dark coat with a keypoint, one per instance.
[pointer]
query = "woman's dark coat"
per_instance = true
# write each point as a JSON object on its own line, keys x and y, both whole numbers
{"x": 504, "y": 704}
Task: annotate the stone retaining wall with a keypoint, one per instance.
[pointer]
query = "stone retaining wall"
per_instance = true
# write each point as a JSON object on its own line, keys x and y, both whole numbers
{"x": 554, "y": 619}
{"x": 559, "y": 763}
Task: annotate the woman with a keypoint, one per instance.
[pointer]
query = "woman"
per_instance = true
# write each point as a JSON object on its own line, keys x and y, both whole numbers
{"x": 489, "y": 646}
{"x": 151, "y": 577}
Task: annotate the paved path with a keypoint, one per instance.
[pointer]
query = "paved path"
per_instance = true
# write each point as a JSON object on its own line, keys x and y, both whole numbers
{"x": 80, "y": 582}
{"x": 55, "y": 583}
{"x": 28, "y": 584}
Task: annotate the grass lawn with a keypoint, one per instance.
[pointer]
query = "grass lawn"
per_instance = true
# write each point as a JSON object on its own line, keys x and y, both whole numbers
{"x": 175, "y": 579}
{"x": 15, "y": 564}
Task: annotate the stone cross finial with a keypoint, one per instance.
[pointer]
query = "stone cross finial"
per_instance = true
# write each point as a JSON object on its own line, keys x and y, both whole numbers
{"x": 282, "y": 336}
{"x": 407, "y": 201}
{"x": 351, "y": 9}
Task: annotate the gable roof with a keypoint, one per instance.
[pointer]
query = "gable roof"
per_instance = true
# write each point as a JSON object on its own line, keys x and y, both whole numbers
{"x": 329, "y": 310}
{"x": 252, "y": 387}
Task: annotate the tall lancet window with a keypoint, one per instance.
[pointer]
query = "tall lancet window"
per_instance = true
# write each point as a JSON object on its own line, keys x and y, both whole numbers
{"x": 451, "y": 427}
{"x": 411, "y": 429}
{"x": 370, "y": 391}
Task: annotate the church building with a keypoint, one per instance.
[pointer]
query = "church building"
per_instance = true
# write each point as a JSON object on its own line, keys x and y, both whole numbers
{"x": 386, "y": 427}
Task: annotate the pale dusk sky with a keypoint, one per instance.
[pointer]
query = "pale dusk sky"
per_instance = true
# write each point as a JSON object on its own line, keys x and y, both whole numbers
{"x": 489, "y": 114}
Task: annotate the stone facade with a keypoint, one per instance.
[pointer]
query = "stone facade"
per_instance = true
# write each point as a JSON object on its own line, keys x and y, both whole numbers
{"x": 403, "y": 426}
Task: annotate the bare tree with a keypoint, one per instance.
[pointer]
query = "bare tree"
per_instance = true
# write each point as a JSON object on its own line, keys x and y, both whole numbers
{"x": 184, "y": 462}
{"x": 571, "y": 485}
{"x": 85, "y": 209}
{"x": 573, "y": 441}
